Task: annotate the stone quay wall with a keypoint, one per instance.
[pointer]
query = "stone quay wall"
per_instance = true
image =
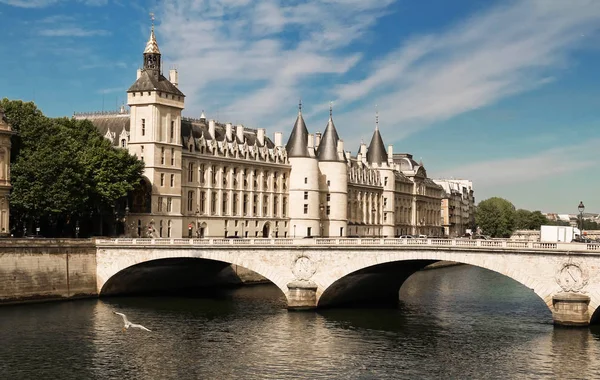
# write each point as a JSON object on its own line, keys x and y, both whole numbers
{"x": 46, "y": 269}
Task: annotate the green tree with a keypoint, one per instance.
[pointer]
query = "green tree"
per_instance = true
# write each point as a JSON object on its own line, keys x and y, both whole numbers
{"x": 536, "y": 220}
{"x": 496, "y": 217}
{"x": 522, "y": 219}
{"x": 65, "y": 172}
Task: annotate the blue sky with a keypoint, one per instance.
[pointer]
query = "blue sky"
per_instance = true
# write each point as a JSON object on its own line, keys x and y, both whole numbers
{"x": 505, "y": 93}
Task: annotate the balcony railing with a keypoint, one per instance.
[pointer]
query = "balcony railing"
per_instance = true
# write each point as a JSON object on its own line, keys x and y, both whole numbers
{"x": 372, "y": 242}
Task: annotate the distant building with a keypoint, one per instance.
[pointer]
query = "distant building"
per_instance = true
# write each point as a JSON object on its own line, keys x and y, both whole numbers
{"x": 457, "y": 206}
{"x": 209, "y": 179}
{"x": 5, "y": 134}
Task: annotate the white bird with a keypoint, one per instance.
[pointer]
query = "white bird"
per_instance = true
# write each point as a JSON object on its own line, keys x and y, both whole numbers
{"x": 129, "y": 324}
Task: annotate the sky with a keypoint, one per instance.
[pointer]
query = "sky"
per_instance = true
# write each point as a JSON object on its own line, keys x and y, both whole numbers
{"x": 504, "y": 93}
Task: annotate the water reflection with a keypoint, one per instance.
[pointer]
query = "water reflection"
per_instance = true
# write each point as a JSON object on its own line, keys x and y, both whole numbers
{"x": 460, "y": 322}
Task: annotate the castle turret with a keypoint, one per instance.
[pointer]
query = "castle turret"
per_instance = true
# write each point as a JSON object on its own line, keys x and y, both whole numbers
{"x": 334, "y": 182}
{"x": 304, "y": 181}
{"x": 155, "y": 137}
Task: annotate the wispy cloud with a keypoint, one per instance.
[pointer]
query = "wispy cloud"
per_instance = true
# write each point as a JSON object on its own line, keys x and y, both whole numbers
{"x": 259, "y": 57}
{"x": 550, "y": 163}
{"x": 47, "y": 3}
{"x": 254, "y": 57}
{"x": 73, "y": 31}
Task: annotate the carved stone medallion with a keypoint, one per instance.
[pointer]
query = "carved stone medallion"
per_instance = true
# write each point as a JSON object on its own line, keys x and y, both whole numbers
{"x": 303, "y": 268}
{"x": 572, "y": 276}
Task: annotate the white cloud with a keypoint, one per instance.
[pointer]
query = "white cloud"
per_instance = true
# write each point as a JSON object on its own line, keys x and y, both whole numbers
{"x": 47, "y": 3}
{"x": 255, "y": 59}
{"x": 72, "y": 31}
{"x": 549, "y": 163}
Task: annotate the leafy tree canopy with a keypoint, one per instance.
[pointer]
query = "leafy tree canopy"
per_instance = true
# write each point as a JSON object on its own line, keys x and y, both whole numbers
{"x": 496, "y": 217}
{"x": 529, "y": 220}
{"x": 63, "y": 170}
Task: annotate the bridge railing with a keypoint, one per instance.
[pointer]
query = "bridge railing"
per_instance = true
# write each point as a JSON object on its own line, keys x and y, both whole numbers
{"x": 282, "y": 242}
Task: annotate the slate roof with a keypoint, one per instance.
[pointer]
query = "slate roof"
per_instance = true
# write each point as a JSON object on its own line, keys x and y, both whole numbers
{"x": 327, "y": 150}
{"x": 297, "y": 145}
{"x": 149, "y": 82}
{"x": 376, "y": 152}
{"x": 199, "y": 128}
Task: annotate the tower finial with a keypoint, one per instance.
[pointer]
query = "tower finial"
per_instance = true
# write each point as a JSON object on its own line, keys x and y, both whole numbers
{"x": 300, "y": 106}
{"x": 152, "y": 45}
{"x": 330, "y": 109}
{"x": 152, "y": 18}
{"x": 376, "y": 118}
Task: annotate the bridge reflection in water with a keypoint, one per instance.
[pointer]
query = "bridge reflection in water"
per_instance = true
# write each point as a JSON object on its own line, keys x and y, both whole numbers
{"x": 332, "y": 272}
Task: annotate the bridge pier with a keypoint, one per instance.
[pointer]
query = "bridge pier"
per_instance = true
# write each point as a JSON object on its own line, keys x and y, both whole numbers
{"x": 302, "y": 295}
{"x": 570, "y": 309}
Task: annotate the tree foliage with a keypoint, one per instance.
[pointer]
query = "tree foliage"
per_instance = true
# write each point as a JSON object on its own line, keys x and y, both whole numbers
{"x": 496, "y": 217}
{"x": 64, "y": 171}
{"x": 529, "y": 220}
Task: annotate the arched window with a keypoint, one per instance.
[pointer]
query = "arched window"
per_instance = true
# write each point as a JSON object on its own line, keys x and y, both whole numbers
{"x": 123, "y": 143}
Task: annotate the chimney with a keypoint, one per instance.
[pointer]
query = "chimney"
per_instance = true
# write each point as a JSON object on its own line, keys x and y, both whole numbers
{"x": 317, "y": 139}
{"x": 139, "y": 74}
{"x": 239, "y": 132}
{"x": 363, "y": 149}
{"x": 311, "y": 141}
{"x": 340, "y": 148}
{"x": 260, "y": 136}
{"x": 211, "y": 128}
{"x": 174, "y": 77}
{"x": 228, "y": 131}
{"x": 390, "y": 154}
{"x": 278, "y": 137}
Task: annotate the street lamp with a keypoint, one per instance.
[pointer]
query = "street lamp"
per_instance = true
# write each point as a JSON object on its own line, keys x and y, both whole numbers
{"x": 77, "y": 229}
{"x": 581, "y": 208}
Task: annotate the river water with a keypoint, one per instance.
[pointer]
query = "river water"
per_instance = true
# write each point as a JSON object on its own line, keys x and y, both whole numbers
{"x": 458, "y": 322}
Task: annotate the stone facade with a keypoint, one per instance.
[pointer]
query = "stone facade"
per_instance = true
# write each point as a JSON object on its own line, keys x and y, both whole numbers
{"x": 204, "y": 178}
{"x": 5, "y": 135}
{"x": 458, "y": 206}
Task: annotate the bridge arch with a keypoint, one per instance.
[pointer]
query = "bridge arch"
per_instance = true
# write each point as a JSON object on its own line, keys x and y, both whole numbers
{"x": 111, "y": 263}
{"x": 330, "y": 284}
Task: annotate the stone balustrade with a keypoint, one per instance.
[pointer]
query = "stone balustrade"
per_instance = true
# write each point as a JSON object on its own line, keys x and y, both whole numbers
{"x": 483, "y": 244}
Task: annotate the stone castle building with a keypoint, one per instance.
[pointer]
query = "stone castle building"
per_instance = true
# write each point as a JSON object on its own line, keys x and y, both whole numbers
{"x": 5, "y": 135}
{"x": 204, "y": 178}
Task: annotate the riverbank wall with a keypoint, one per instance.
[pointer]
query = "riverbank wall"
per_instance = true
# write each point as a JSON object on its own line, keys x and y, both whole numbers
{"x": 46, "y": 269}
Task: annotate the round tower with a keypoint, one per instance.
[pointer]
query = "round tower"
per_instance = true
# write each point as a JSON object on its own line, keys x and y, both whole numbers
{"x": 333, "y": 204}
{"x": 304, "y": 181}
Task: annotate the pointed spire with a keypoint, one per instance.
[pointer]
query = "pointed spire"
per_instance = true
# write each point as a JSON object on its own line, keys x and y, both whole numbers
{"x": 152, "y": 45}
{"x": 376, "y": 152}
{"x": 327, "y": 150}
{"x": 297, "y": 145}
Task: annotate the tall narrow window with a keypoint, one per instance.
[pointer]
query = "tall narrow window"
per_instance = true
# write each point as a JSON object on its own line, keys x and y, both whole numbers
{"x": 162, "y": 156}
{"x": 191, "y": 172}
{"x": 201, "y": 174}
{"x": 160, "y": 204}
{"x": 265, "y": 205}
{"x": 162, "y": 179}
{"x": 213, "y": 203}
{"x": 285, "y": 201}
{"x": 172, "y": 130}
{"x": 169, "y": 227}
{"x": 143, "y": 127}
{"x": 235, "y": 204}
{"x": 245, "y": 205}
{"x": 305, "y": 179}
{"x": 306, "y": 195}
{"x": 254, "y": 205}
{"x": 225, "y": 196}
{"x": 172, "y": 180}
{"x": 203, "y": 202}
{"x": 190, "y": 200}
{"x": 172, "y": 157}
{"x": 160, "y": 228}
{"x": 306, "y": 208}
{"x": 275, "y": 205}
{"x": 169, "y": 204}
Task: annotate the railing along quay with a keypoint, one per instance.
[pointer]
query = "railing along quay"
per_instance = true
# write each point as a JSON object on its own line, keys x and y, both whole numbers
{"x": 491, "y": 244}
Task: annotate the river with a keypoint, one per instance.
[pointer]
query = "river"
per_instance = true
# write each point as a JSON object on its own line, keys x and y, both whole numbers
{"x": 457, "y": 322}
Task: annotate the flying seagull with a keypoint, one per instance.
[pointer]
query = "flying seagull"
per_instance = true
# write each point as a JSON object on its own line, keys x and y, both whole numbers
{"x": 129, "y": 324}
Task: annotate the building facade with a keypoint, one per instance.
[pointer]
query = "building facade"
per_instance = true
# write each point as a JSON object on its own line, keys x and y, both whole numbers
{"x": 5, "y": 135}
{"x": 204, "y": 178}
{"x": 457, "y": 207}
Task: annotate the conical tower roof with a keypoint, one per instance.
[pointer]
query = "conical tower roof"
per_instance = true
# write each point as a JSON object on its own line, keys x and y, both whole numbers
{"x": 297, "y": 145}
{"x": 152, "y": 45}
{"x": 327, "y": 150}
{"x": 376, "y": 154}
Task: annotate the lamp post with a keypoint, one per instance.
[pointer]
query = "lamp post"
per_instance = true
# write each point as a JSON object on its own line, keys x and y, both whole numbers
{"x": 321, "y": 208}
{"x": 581, "y": 208}
{"x": 77, "y": 229}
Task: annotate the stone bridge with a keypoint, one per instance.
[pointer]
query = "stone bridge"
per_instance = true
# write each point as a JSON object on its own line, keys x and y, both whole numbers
{"x": 324, "y": 272}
